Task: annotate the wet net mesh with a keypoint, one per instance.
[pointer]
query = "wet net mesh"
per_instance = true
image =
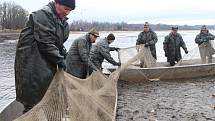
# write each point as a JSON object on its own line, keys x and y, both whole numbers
{"x": 95, "y": 98}
{"x": 202, "y": 54}
{"x": 143, "y": 55}
{"x": 72, "y": 99}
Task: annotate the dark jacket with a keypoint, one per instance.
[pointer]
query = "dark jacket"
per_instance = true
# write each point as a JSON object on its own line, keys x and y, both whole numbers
{"x": 171, "y": 45}
{"x": 204, "y": 37}
{"x": 38, "y": 51}
{"x": 101, "y": 51}
{"x": 150, "y": 38}
{"x": 77, "y": 57}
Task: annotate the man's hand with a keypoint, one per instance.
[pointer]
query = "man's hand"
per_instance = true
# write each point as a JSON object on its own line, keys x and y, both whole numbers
{"x": 64, "y": 52}
{"x": 116, "y": 49}
{"x": 62, "y": 64}
{"x": 166, "y": 54}
{"x": 209, "y": 38}
{"x": 146, "y": 45}
{"x": 186, "y": 51}
{"x": 118, "y": 64}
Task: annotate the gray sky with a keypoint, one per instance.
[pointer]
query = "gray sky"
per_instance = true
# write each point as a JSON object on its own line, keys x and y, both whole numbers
{"x": 191, "y": 12}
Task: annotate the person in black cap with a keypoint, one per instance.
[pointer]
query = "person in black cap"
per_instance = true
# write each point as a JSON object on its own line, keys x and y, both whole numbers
{"x": 205, "y": 47}
{"x": 101, "y": 51}
{"x": 40, "y": 51}
{"x": 171, "y": 46}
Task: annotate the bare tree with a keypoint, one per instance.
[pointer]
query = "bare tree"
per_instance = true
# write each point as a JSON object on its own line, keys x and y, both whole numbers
{"x": 12, "y": 16}
{"x": 1, "y": 8}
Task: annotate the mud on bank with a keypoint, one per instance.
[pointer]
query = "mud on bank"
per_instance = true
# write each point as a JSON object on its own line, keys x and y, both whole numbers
{"x": 8, "y": 36}
{"x": 190, "y": 100}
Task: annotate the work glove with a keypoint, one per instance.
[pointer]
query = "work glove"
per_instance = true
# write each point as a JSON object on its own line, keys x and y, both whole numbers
{"x": 63, "y": 52}
{"x": 186, "y": 51}
{"x": 146, "y": 45}
{"x": 166, "y": 54}
{"x": 62, "y": 64}
{"x": 116, "y": 49}
{"x": 200, "y": 43}
{"x": 209, "y": 38}
{"x": 117, "y": 64}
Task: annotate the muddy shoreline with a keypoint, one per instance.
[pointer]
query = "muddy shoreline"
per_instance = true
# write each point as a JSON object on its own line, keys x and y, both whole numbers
{"x": 8, "y": 36}
{"x": 188, "y": 100}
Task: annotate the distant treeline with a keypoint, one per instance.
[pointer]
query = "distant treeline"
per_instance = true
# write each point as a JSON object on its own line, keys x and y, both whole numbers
{"x": 12, "y": 16}
{"x": 107, "y": 26}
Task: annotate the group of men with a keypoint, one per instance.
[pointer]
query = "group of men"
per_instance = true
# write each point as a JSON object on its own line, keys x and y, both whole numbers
{"x": 40, "y": 50}
{"x": 174, "y": 41}
{"x": 82, "y": 59}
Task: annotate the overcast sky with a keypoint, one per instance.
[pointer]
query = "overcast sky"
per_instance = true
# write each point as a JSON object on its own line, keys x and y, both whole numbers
{"x": 180, "y": 12}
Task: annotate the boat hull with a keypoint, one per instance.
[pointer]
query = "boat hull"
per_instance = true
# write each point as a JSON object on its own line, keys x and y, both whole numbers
{"x": 167, "y": 73}
{"x": 12, "y": 111}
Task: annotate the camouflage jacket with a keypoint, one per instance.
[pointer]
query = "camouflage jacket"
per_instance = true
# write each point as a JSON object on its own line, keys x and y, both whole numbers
{"x": 101, "y": 51}
{"x": 150, "y": 38}
{"x": 80, "y": 49}
{"x": 171, "y": 45}
{"x": 38, "y": 51}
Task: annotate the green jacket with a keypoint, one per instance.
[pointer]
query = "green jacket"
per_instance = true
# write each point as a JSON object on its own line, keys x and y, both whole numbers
{"x": 150, "y": 38}
{"x": 77, "y": 57}
{"x": 101, "y": 51}
{"x": 172, "y": 46}
{"x": 39, "y": 49}
{"x": 204, "y": 37}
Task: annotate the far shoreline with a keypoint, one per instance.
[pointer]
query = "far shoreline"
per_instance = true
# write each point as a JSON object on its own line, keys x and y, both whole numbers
{"x": 14, "y": 34}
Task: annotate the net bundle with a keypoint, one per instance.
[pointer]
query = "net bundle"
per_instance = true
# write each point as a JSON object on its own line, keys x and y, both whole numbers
{"x": 136, "y": 55}
{"x": 202, "y": 54}
{"x": 72, "y": 99}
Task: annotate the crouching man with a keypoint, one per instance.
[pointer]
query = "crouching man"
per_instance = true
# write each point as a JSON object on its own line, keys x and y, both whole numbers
{"x": 101, "y": 51}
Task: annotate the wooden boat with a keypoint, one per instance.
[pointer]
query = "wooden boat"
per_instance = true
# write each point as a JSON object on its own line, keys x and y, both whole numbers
{"x": 12, "y": 111}
{"x": 189, "y": 69}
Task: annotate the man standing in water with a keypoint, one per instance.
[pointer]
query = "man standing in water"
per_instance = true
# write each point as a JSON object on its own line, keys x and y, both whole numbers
{"x": 149, "y": 38}
{"x": 40, "y": 50}
{"x": 78, "y": 55}
{"x": 172, "y": 44}
{"x": 203, "y": 39}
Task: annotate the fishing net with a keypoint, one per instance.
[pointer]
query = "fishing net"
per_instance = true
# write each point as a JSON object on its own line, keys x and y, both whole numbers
{"x": 95, "y": 98}
{"x": 72, "y": 99}
{"x": 143, "y": 56}
{"x": 202, "y": 54}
